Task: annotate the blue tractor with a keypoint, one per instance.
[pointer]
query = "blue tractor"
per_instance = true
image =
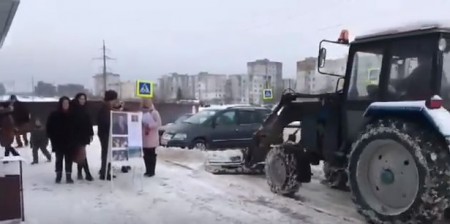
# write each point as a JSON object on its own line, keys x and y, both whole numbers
{"x": 385, "y": 138}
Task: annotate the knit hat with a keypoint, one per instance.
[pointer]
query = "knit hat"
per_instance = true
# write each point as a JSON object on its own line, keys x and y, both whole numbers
{"x": 110, "y": 95}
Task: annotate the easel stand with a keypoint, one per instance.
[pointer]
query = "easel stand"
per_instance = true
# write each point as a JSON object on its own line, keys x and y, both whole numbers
{"x": 11, "y": 189}
{"x": 134, "y": 169}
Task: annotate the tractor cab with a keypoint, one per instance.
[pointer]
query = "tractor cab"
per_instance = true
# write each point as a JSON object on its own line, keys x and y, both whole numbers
{"x": 401, "y": 64}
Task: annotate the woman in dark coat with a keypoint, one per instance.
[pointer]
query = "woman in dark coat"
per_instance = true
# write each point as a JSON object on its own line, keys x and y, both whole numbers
{"x": 21, "y": 117}
{"x": 83, "y": 131}
{"x": 7, "y": 131}
{"x": 60, "y": 129}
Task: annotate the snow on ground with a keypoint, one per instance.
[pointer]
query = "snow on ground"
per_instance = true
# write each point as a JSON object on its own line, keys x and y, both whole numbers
{"x": 30, "y": 98}
{"x": 181, "y": 192}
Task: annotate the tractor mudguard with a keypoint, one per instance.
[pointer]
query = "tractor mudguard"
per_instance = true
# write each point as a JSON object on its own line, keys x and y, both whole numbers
{"x": 438, "y": 118}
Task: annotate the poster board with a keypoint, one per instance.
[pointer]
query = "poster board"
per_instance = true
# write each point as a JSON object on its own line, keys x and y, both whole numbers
{"x": 11, "y": 189}
{"x": 125, "y": 136}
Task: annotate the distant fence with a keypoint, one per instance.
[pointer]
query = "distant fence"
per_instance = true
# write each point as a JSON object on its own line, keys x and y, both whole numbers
{"x": 169, "y": 111}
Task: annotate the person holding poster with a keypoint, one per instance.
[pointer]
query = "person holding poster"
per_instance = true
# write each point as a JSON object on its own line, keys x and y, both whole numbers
{"x": 104, "y": 123}
{"x": 151, "y": 121}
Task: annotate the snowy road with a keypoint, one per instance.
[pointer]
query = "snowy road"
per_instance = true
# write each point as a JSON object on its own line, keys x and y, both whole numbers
{"x": 181, "y": 192}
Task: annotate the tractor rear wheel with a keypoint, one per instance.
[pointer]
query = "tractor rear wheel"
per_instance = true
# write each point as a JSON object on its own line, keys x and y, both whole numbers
{"x": 399, "y": 173}
{"x": 281, "y": 171}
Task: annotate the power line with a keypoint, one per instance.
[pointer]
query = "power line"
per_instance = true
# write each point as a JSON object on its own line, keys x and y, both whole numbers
{"x": 104, "y": 58}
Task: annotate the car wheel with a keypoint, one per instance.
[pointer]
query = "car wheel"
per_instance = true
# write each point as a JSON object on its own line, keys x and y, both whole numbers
{"x": 199, "y": 144}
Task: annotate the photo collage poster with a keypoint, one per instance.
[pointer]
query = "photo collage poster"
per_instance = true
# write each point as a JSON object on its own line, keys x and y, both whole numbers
{"x": 125, "y": 135}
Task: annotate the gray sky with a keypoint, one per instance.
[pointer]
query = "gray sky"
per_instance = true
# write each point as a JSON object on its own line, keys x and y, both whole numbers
{"x": 55, "y": 40}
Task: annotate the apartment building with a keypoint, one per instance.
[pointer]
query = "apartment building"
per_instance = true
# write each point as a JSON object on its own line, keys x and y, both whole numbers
{"x": 264, "y": 74}
{"x": 210, "y": 87}
{"x": 112, "y": 83}
{"x": 289, "y": 83}
{"x": 237, "y": 90}
{"x": 170, "y": 84}
{"x": 309, "y": 80}
{"x": 127, "y": 90}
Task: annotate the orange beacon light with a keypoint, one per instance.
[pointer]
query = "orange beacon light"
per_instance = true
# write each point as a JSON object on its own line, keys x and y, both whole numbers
{"x": 343, "y": 37}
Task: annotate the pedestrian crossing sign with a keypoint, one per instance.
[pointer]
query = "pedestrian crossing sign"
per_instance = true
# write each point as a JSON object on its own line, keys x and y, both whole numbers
{"x": 144, "y": 89}
{"x": 267, "y": 94}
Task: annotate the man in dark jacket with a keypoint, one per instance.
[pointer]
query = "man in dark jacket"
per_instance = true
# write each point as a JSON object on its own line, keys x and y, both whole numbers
{"x": 104, "y": 124}
{"x": 21, "y": 117}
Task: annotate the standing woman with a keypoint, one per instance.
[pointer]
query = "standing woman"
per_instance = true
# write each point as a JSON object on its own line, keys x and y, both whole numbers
{"x": 151, "y": 121}
{"x": 7, "y": 131}
{"x": 21, "y": 116}
{"x": 60, "y": 130}
{"x": 83, "y": 131}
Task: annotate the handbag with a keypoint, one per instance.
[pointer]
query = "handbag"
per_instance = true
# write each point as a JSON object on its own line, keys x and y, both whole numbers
{"x": 80, "y": 155}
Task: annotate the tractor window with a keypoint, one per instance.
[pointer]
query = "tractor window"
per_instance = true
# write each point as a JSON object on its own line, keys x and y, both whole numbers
{"x": 365, "y": 75}
{"x": 410, "y": 72}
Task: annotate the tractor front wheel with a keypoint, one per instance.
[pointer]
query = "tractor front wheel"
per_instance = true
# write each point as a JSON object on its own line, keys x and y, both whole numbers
{"x": 399, "y": 173}
{"x": 281, "y": 171}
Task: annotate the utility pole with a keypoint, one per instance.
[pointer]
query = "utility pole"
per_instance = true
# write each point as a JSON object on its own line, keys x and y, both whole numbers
{"x": 104, "y": 58}
{"x": 32, "y": 87}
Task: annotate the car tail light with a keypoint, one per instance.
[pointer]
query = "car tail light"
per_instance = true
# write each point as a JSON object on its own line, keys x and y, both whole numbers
{"x": 434, "y": 103}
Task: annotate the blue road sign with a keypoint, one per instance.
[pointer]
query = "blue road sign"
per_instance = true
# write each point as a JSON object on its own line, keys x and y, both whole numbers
{"x": 144, "y": 89}
{"x": 267, "y": 94}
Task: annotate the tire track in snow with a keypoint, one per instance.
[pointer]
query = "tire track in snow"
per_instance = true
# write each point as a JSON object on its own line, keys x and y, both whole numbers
{"x": 257, "y": 199}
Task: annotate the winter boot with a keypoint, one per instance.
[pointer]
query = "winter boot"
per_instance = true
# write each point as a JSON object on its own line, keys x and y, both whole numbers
{"x": 124, "y": 169}
{"x": 88, "y": 173}
{"x": 58, "y": 177}
{"x": 147, "y": 165}
{"x": 69, "y": 178}
{"x": 80, "y": 172}
{"x": 89, "y": 177}
{"x": 107, "y": 174}
{"x": 150, "y": 166}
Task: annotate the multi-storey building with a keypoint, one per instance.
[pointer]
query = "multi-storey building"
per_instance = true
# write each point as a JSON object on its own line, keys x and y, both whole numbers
{"x": 264, "y": 74}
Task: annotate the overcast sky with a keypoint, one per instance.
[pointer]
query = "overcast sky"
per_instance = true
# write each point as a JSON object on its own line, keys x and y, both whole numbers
{"x": 56, "y": 40}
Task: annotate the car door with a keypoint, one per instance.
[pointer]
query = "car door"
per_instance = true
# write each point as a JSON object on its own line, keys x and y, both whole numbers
{"x": 249, "y": 121}
{"x": 224, "y": 133}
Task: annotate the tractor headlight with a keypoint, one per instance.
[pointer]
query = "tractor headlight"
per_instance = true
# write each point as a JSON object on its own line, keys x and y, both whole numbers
{"x": 179, "y": 136}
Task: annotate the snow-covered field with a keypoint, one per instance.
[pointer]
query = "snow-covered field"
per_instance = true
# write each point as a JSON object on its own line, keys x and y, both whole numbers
{"x": 181, "y": 192}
